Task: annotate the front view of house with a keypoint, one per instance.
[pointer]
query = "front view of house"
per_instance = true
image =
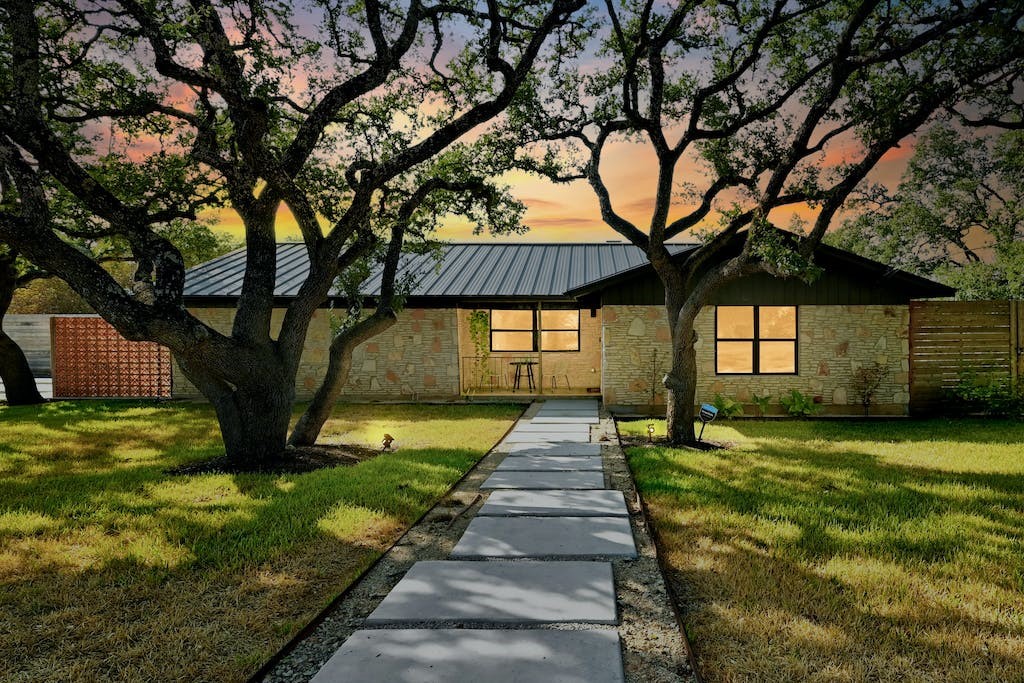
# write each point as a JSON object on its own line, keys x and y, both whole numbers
{"x": 494, "y": 319}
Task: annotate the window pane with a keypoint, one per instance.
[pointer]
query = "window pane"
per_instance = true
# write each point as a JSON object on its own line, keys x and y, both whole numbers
{"x": 559, "y": 320}
{"x": 735, "y": 322}
{"x": 511, "y": 320}
{"x": 736, "y": 357}
{"x": 777, "y": 322}
{"x": 778, "y": 357}
{"x": 512, "y": 341}
{"x": 559, "y": 341}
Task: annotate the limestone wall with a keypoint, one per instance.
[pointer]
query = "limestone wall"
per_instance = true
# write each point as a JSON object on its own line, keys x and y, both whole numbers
{"x": 833, "y": 342}
{"x": 416, "y": 358}
{"x": 583, "y": 367}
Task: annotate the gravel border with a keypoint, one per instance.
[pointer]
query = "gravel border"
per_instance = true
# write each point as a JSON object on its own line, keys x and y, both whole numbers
{"x": 653, "y": 645}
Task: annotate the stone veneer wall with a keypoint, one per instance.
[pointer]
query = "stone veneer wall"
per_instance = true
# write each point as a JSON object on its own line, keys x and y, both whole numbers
{"x": 583, "y": 367}
{"x": 833, "y": 342}
{"x": 416, "y": 358}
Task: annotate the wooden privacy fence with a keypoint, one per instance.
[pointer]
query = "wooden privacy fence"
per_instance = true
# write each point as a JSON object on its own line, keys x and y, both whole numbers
{"x": 92, "y": 360}
{"x": 949, "y": 338}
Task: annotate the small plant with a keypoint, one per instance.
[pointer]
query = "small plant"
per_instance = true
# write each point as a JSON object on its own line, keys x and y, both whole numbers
{"x": 727, "y": 407}
{"x": 762, "y": 403}
{"x": 866, "y": 381}
{"x": 989, "y": 395}
{"x": 800, "y": 405}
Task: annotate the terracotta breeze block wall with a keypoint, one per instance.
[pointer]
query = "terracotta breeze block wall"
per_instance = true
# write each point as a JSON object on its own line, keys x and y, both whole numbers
{"x": 833, "y": 342}
{"x": 416, "y": 358}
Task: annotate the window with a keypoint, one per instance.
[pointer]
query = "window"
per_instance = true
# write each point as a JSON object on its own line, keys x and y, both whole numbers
{"x": 755, "y": 340}
{"x": 517, "y": 330}
{"x": 512, "y": 330}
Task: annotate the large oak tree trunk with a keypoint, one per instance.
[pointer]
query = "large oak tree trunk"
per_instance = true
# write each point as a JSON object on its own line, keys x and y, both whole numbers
{"x": 19, "y": 383}
{"x": 253, "y": 411}
{"x": 681, "y": 383}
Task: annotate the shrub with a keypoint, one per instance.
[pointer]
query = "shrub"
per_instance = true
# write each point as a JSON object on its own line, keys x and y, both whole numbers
{"x": 800, "y": 405}
{"x": 989, "y": 395}
{"x": 866, "y": 381}
{"x": 727, "y": 407}
{"x": 762, "y": 403}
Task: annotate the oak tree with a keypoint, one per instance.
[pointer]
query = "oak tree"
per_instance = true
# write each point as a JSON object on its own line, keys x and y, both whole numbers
{"x": 120, "y": 116}
{"x": 747, "y": 107}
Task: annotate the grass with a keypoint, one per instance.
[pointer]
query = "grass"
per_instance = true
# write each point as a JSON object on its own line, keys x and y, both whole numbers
{"x": 111, "y": 569}
{"x": 846, "y": 551}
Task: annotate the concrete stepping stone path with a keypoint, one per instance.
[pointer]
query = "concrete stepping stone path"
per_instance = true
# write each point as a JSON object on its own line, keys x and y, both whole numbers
{"x": 547, "y": 538}
{"x": 494, "y": 656}
{"x": 540, "y": 546}
{"x": 467, "y": 592}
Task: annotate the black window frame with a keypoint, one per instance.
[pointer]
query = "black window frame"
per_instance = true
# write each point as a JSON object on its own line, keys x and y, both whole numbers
{"x": 536, "y": 330}
{"x": 757, "y": 339}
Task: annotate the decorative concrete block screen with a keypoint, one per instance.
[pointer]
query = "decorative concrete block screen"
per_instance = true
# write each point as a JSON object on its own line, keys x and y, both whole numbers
{"x": 92, "y": 360}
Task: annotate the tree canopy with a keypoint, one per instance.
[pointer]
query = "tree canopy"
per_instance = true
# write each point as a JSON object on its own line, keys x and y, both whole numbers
{"x": 957, "y": 214}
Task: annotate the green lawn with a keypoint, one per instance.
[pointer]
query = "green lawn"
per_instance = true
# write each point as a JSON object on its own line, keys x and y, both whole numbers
{"x": 846, "y": 551}
{"x": 111, "y": 569}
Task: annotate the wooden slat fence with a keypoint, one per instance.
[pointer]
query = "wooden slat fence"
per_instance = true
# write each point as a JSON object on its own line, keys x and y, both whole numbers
{"x": 92, "y": 360}
{"x": 948, "y": 338}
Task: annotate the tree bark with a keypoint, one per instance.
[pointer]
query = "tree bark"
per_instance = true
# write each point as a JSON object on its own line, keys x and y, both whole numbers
{"x": 19, "y": 383}
{"x": 339, "y": 364}
{"x": 681, "y": 383}
{"x": 253, "y": 411}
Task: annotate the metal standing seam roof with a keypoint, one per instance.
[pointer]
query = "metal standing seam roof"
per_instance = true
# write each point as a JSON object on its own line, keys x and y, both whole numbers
{"x": 464, "y": 270}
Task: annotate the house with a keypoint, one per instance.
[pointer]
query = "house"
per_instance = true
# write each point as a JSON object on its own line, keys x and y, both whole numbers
{"x": 588, "y": 319}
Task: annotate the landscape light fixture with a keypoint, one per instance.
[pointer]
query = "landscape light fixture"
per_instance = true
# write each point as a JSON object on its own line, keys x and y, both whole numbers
{"x": 650, "y": 432}
{"x": 707, "y": 414}
{"x": 386, "y": 442}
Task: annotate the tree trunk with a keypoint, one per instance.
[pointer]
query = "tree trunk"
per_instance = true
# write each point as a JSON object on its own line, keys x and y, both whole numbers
{"x": 254, "y": 425}
{"x": 16, "y": 374}
{"x": 19, "y": 384}
{"x": 253, "y": 411}
{"x": 681, "y": 383}
{"x": 339, "y": 364}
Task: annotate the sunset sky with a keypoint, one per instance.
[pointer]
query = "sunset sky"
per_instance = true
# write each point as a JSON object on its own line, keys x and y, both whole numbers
{"x": 566, "y": 213}
{"x": 570, "y": 213}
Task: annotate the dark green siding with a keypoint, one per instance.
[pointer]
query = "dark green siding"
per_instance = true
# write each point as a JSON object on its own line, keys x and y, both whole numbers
{"x": 834, "y": 287}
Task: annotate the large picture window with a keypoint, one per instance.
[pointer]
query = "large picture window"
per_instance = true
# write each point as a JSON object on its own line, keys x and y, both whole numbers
{"x": 517, "y": 330}
{"x": 755, "y": 340}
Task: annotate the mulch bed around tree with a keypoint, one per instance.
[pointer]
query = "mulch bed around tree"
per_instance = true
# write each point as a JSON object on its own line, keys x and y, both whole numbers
{"x": 292, "y": 461}
{"x": 637, "y": 441}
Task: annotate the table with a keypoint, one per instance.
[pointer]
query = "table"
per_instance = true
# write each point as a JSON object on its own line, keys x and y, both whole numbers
{"x": 517, "y": 378}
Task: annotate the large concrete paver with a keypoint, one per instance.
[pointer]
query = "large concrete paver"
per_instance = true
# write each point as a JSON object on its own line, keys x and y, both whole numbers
{"x": 544, "y": 480}
{"x": 469, "y": 592}
{"x": 546, "y": 437}
{"x": 601, "y": 503}
{"x": 565, "y": 419}
{"x": 551, "y": 463}
{"x": 554, "y": 427}
{"x": 494, "y": 656}
{"x": 552, "y": 448}
{"x": 546, "y": 537}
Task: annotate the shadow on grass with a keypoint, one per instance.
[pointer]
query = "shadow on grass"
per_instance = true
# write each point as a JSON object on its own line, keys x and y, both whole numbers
{"x": 798, "y": 561}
